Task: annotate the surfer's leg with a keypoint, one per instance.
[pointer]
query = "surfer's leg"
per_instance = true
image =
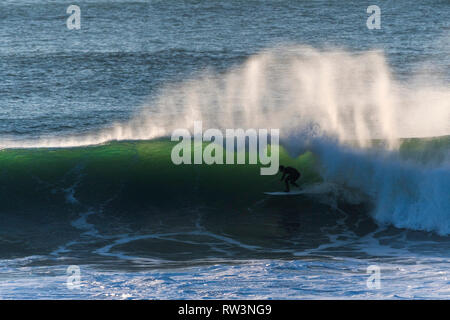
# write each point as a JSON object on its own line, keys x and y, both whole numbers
{"x": 287, "y": 184}
{"x": 293, "y": 179}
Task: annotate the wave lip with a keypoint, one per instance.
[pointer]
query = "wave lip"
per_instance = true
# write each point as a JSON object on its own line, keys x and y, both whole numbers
{"x": 333, "y": 92}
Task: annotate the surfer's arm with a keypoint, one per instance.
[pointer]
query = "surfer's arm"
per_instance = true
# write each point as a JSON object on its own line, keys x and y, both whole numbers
{"x": 284, "y": 174}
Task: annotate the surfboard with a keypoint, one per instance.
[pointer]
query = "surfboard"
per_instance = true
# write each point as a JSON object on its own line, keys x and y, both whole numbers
{"x": 292, "y": 193}
{"x": 307, "y": 190}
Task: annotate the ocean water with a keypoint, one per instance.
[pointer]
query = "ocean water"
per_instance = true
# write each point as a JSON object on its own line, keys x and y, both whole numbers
{"x": 92, "y": 207}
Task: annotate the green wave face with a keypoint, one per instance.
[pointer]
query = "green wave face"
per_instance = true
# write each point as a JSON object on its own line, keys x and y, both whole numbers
{"x": 133, "y": 175}
{"x": 426, "y": 150}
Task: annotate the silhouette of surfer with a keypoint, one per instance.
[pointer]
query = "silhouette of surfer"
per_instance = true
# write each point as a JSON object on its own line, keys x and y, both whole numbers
{"x": 290, "y": 175}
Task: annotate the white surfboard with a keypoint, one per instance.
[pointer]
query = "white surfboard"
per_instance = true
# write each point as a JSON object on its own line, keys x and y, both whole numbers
{"x": 313, "y": 189}
{"x": 291, "y": 193}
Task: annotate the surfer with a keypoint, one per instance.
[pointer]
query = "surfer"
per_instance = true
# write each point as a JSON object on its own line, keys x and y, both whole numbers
{"x": 291, "y": 175}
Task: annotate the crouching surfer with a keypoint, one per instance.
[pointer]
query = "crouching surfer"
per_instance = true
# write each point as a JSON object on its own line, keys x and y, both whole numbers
{"x": 290, "y": 175}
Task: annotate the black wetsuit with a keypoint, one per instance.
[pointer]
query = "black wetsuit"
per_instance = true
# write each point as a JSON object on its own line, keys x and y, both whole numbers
{"x": 291, "y": 175}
